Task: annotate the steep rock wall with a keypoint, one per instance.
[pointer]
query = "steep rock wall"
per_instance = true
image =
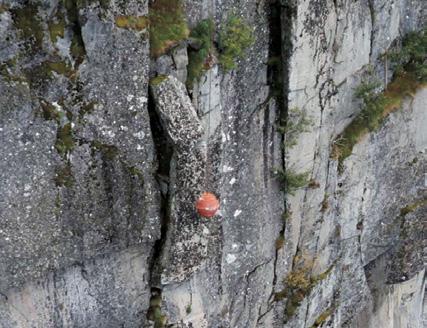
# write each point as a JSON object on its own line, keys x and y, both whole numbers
{"x": 86, "y": 239}
{"x": 79, "y": 208}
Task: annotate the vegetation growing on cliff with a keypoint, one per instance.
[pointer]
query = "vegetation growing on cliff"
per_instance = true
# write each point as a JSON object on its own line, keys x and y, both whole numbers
{"x": 412, "y": 207}
{"x": 321, "y": 319}
{"x": 155, "y": 312}
{"x": 410, "y": 74}
{"x": 137, "y": 23}
{"x": 167, "y": 25}
{"x": 296, "y": 123}
{"x": 298, "y": 284}
{"x": 202, "y": 36}
{"x": 235, "y": 37}
{"x": 291, "y": 181}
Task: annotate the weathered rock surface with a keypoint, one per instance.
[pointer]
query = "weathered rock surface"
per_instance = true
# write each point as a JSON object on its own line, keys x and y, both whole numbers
{"x": 99, "y": 176}
{"x": 79, "y": 207}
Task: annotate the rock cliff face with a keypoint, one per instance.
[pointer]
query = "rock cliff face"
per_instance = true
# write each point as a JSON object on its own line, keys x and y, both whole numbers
{"x": 106, "y": 146}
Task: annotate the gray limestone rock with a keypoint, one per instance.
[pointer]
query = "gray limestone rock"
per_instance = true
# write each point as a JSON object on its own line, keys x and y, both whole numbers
{"x": 88, "y": 240}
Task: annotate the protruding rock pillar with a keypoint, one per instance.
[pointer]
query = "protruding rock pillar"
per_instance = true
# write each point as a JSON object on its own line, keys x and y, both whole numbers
{"x": 186, "y": 243}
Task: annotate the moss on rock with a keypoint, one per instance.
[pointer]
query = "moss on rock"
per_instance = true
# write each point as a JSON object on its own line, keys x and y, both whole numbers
{"x": 64, "y": 139}
{"x": 137, "y": 23}
{"x": 202, "y": 35}
{"x": 167, "y": 25}
{"x": 235, "y": 37}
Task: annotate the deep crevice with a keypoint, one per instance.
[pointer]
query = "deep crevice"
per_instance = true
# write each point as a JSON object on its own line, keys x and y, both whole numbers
{"x": 280, "y": 17}
{"x": 277, "y": 81}
{"x": 372, "y": 14}
{"x": 164, "y": 151}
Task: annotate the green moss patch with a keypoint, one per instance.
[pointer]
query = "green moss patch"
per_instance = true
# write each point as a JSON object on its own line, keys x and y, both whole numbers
{"x": 321, "y": 319}
{"x": 298, "y": 284}
{"x": 412, "y": 207}
{"x": 86, "y": 108}
{"x": 202, "y": 35}
{"x": 57, "y": 27}
{"x": 137, "y": 23}
{"x": 110, "y": 152}
{"x": 235, "y": 37}
{"x": 64, "y": 139}
{"x": 154, "y": 312}
{"x": 157, "y": 80}
{"x": 64, "y": 176}
{"x": 26, "y": 20}
{"x": 167, "y": 25}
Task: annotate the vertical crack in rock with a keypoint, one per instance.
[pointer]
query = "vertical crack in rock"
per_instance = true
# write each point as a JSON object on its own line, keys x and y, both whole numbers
{"x": 280, "y": 17}
{"x": 371, "y": 6}
{"x": 164, "y": 154}
{"x": 278, "y": 81}
{"x": 284, "y": 19}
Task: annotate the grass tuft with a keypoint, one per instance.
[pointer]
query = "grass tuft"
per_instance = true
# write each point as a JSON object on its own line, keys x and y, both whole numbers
{"x": 203, "y": 35}
{"x": 167, "y": 25}
{"x": 235, "y": 37}
{"x": 292, "y": 181}
{"x": 410, "y": 75}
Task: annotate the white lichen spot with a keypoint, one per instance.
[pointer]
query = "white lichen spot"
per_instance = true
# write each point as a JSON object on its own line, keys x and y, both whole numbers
{"x": 237, "y": 213}
{"x": 230, "y": 258}
{"x": 129, "y": 97}
{"x": 142, "y": 101}
{"x": 226, "y": 169}
{"x": 232, "y": 181}
{"x": 139, "y": 135}
{"x": 223, "y": 137}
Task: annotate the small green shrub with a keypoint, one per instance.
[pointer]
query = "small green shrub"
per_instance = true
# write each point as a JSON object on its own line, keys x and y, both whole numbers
{"x": 321, "y": 319}
{"x": 410, "y": 74}
{"x": 203, "y": 35}
{"x": 235, "y": 37}
{"x": 280, "y": 241}
{"x": 298, "y": 284}
{"x": 167, "y": 25}
{"x": 292, "y": 181}
{"x": 412, "y": 56}
{"x": 296, "y": 123}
